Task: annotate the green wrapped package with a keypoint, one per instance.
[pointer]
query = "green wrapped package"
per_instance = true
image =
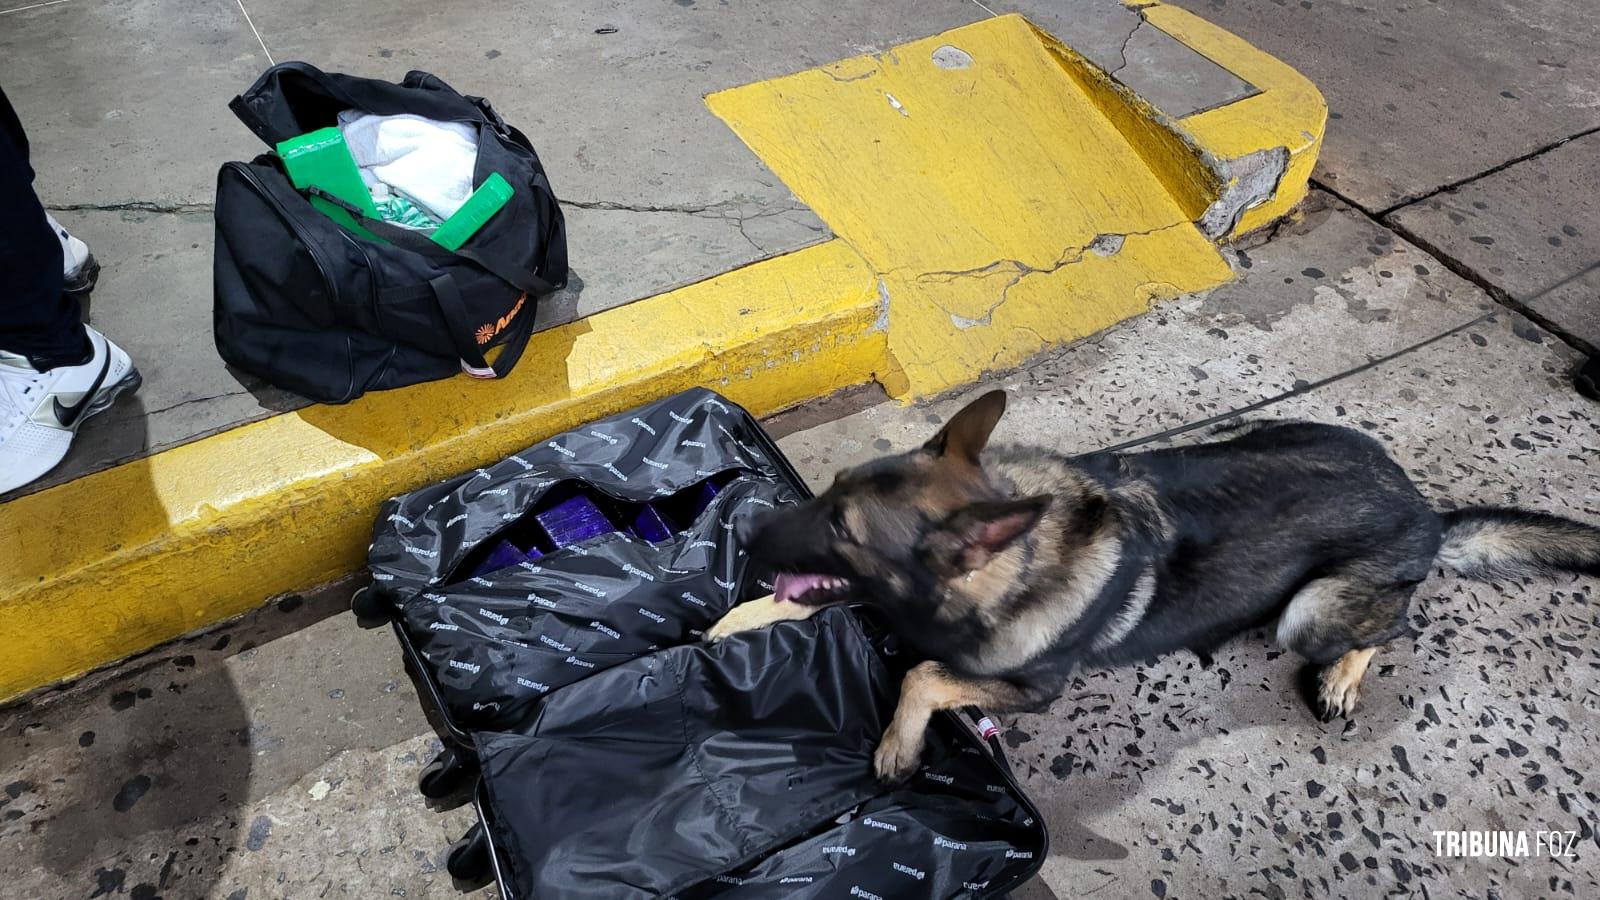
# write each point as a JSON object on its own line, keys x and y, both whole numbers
{"x": 321, "y": 159}
{"x": 473, "y": 214}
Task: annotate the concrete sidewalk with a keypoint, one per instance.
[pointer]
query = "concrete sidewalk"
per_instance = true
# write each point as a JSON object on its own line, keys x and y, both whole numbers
{"x": 275, "y": 758}
{"x": 1468, "y": 127}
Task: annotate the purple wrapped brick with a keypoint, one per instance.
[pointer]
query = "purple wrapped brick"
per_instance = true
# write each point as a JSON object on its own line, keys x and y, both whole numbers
{"x": 649, "y": 524}
{"x": 569, "y": 517}
{"x": 504, "y": 555}
{"x": 705, "y": 492}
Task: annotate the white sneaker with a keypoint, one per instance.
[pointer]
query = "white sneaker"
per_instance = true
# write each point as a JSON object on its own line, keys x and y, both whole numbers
{"x": 41, "y": 411}
{"x": 78, "y": 265}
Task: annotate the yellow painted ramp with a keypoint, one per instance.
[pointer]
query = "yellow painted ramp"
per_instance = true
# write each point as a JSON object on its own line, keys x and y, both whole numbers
{"x": 991, "y": 189}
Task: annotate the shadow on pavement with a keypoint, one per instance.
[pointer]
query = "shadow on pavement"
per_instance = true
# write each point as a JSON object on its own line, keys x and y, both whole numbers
{"x": 133, "y": 780}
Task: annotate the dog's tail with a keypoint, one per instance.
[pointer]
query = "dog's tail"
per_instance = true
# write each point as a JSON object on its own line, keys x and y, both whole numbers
{"x": 1486, "y": 542}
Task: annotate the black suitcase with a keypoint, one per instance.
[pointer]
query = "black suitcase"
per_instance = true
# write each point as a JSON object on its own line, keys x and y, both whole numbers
{"x": 619, "y": 756}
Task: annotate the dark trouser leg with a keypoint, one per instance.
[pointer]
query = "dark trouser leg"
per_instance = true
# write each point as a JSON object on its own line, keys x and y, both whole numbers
{"x": 37, "y": 320}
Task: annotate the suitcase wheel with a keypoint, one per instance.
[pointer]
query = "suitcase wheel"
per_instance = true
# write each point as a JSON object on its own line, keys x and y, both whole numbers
{"x": 370, "y": 609}
{"x": 448, "y": 773}
{"x": 468, "y": 859}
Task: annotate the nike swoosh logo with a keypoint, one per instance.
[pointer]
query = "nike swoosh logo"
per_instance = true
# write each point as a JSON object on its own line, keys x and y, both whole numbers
{"x": 67, "y": 415}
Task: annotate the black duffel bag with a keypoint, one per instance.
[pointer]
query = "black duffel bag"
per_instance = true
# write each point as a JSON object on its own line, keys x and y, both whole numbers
{"x": 317, "y": 309}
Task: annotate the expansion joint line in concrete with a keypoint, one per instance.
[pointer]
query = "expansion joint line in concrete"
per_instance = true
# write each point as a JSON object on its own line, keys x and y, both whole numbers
{"x": 1493, "y": 170}
{"x": 1497, "y": 293}
{"x": 1304, "y": 388}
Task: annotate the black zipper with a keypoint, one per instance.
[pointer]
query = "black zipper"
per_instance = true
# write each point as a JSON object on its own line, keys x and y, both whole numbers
{"x": 372, "y": 277}
{"x": 300, "y": 235}
{"x": 321, "y": 80}
{"x": 372, "y": 301}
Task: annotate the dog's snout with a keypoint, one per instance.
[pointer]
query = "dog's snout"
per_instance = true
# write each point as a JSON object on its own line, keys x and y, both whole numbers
{"x": 774, "y": 536}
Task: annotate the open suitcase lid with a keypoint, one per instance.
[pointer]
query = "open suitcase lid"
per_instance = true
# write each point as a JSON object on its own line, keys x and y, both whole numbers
{"x": 744, "y": 769}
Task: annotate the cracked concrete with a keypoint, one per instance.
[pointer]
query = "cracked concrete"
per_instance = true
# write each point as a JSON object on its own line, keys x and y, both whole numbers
{"x": 149, "y": 206}
{"x": 1102, "y": 245}
{"x": 797, "y": 227}
{"x": 1105, "y": 244}
{"x": 1122, "y": 52}
{"x": 1019, "y": 271}
{"x": 1249, "y": 181}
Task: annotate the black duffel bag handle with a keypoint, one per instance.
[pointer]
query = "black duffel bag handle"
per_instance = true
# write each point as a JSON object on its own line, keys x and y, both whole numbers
{"x": 448, "y": 295}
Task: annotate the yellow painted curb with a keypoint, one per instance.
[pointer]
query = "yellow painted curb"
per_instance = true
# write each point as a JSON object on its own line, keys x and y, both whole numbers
{"x": 121, "y": 560}
{"x": 1286, "y": 111}
{"x": 1012, "y": 196}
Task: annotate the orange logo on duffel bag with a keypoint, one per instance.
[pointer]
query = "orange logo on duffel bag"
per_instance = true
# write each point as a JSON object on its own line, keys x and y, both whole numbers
{"x": 488, "y": 331}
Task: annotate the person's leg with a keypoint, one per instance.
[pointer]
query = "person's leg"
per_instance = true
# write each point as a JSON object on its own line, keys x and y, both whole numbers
{"x": 55, "y": 372}
{"x": 38, "y": 318}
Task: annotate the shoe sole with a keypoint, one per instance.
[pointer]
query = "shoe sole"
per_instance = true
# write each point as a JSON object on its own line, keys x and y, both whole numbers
{"x": 83, "y": 282}
{"x": 130, "y": 383}
{"x": 107, "y": 396}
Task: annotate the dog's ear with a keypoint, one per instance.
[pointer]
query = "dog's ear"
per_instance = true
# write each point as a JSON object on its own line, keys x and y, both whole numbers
{"x": 972, "y": 535}
{"x": 964, "y": 436}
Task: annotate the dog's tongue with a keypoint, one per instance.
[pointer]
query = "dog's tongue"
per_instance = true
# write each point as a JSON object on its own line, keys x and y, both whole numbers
{"x": 788, "y": 587}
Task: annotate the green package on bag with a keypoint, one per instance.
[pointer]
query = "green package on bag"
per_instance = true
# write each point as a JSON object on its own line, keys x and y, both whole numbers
{"x": 322, "y": 160}
{"x": 473, "y": 214}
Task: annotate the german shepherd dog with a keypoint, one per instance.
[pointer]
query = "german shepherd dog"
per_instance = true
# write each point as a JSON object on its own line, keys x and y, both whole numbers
{"x": 1007, "y": 569}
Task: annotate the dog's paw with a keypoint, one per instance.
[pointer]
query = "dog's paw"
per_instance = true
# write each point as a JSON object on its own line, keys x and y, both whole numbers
{"x": 746, "y": 616}
{"x": 1338, "y": 693}
{"x": 760, "y": 613}
{"x": 897, "y": 757}
{"x": 1340, "y": 684}
{"x": 738, "y": 619}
